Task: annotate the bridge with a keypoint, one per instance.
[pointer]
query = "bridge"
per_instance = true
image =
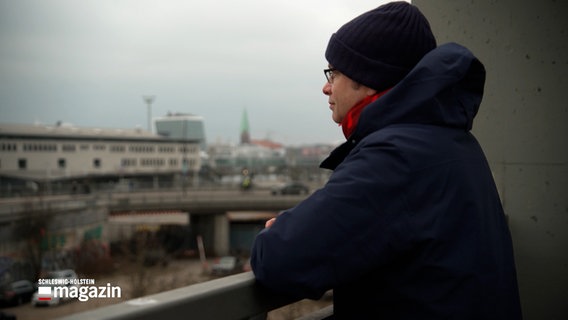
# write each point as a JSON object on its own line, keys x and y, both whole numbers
{"x": 203, "y": 201}
{"x": 192, "y": 201}
{"x": 207, "y": 209}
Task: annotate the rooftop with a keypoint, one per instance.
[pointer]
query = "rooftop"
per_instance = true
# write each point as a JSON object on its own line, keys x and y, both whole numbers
{"x": 67, "y": 130}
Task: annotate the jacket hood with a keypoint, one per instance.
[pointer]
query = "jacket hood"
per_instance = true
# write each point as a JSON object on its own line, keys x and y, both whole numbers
{"x": 445, "y": 88}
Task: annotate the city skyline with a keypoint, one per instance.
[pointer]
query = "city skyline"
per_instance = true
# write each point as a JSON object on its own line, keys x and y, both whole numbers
{"x": 91, "y": 63}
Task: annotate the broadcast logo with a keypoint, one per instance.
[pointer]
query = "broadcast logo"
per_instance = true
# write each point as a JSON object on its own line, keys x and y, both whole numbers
{"x": 52, "y": 291}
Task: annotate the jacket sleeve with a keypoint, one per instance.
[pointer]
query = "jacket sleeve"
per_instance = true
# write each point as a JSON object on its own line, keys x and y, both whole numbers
{"x": 349, "y": 227}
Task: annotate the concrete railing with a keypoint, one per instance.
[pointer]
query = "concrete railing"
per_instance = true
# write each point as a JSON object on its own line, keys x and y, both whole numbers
{"x": 236, "y": 297}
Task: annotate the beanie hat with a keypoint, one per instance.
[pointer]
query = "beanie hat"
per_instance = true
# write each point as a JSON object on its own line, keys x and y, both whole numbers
{"x": 378, "y": 48}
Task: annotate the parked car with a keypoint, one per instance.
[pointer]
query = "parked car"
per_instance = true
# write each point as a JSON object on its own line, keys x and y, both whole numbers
{"x": 38, "y": 300}
{"x": 226, "y": 265}
{"x": 17, "y": 292}
{"x": 291, "y": 188}
{"x": 62, "y": 274}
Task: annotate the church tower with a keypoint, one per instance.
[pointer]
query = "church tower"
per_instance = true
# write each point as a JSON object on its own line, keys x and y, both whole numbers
{"x": 245, "y": 134}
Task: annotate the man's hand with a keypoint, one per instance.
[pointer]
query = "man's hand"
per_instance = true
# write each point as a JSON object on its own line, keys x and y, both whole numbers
{"x": 269, "y": 223}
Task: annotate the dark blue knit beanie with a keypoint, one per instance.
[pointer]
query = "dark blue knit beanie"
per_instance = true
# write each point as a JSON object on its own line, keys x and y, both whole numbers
{"x": 379, "y": 47}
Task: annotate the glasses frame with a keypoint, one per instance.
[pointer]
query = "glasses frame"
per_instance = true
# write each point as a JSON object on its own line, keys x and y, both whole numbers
{"x": 329, "y": 76}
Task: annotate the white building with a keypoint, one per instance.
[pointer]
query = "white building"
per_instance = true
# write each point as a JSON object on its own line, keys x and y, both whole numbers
{"x": 43, "y": 154}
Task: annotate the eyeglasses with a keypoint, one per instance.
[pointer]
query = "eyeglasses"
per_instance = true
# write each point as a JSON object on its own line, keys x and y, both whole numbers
{"x": 329, "y": 74}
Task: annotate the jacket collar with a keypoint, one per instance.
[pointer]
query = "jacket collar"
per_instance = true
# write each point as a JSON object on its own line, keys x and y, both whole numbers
{"x": 348, "y": 125}
{"x": 351, "y": 119}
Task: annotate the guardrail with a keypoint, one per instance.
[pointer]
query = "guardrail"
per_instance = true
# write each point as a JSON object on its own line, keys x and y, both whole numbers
{"x": 236, "y": 297}
{"x": 197, "y": 201}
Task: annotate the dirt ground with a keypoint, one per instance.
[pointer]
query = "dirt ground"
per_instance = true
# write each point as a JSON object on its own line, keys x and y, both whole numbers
{"x": 136, "y": 281}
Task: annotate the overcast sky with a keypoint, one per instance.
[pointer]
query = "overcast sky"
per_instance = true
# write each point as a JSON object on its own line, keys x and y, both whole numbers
{"x": 89, "y": 63}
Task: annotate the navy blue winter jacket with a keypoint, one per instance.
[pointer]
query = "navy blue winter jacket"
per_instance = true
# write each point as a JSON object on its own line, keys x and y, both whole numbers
{"x": 410, "y": 224}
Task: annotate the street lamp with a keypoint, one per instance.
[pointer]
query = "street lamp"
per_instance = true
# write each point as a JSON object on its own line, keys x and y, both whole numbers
{"x": 149, "y": 100}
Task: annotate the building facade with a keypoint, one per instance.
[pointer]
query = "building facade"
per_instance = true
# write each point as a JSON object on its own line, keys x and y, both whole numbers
{"x": 33, "y": 157}
{"x": 182, "y": 126}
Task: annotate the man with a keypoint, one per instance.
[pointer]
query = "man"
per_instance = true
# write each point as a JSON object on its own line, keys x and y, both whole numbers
{"x": 410, "y": 224}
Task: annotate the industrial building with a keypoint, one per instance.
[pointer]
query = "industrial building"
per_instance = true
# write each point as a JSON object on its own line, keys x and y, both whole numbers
{"x": 63, "y": 158}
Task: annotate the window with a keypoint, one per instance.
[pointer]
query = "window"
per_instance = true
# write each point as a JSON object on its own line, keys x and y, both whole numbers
{"x": 188, "y": 149}
{"x": 152, "y": 162}
{"x": 128, "y": 162}
{"x": 69, "y": 148}
{"x": 42, "y": 147}
{"x": 117, "y": 148}
{"x": 99, "y": 147}
{"x": 141, "y": 148}
{"x": 96, "y": 163}
{"x": 61, "y": 163}
{"x": 8, "y": 147}
{"x": 22, "y": 164}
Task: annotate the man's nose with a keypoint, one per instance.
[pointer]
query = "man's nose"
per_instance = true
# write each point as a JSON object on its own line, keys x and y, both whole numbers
{"x": 326, "y": 89}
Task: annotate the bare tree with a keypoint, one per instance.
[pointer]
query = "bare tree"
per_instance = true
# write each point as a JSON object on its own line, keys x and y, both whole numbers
{"x": 31, "y": 230}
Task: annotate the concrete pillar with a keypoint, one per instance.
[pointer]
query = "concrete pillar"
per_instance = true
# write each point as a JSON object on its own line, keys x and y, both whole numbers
{"x": 214, "y": 230}
{"x": 522, "y": 126}
{"x": 202, "y": 225}
{"x": 221, "y": 234}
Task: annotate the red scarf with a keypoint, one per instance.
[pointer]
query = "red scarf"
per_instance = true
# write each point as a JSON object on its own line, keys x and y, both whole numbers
{"x": 351, "y": 119}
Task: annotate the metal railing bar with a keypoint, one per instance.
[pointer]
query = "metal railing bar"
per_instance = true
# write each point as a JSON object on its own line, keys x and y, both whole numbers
{"x": 233, "y": 297}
